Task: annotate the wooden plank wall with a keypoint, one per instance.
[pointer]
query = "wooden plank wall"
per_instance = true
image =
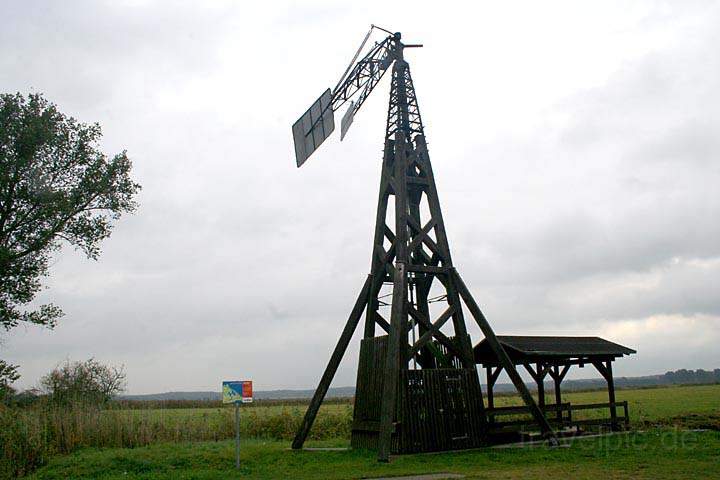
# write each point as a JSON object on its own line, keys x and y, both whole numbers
{"x": 438, "y": 409}
{"x": 430, "y": 414}
{"x": 368, "y": 392}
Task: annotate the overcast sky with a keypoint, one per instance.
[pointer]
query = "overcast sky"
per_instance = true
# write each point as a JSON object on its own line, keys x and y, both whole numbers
{"x": 575, "y": 147}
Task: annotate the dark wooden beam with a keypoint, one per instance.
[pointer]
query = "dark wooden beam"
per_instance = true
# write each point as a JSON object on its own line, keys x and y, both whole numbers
{"x": 557, "y": 379}
{"x": 490, "y": 383}
{"x": 466, "y": 348}
{"x": 418, "y": 239}
{"x": 427, "y": 269}
{"x": 382, "y": 322}
{"x": 397, "y": 338}
{"x": 538, "y": 374}
{"x": 332, "y": 366}
{"x": 423, "y": 159}
{"x": 611, "y": 395}
{"x": 492, "y": 377}
{"x": 380, "y": 257}
{"x": 531, "y": 371}
{"x": 429, "y": 242}
{"x": 432, "y": 330}
{"x": 504, "y": 359}
{"x": 392, "y": 363}
{"x": 541, "y": 372}
{"x": 564, "y": 361}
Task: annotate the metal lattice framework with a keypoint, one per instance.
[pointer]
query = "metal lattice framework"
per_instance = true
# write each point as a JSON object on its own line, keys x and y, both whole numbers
{"x": 412, "y": 254}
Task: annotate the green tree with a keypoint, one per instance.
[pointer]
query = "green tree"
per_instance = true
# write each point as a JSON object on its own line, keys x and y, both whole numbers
{"x": 89, "y": 381}
{"x": 8, "y": 374}
{"x": 56, "y": 187}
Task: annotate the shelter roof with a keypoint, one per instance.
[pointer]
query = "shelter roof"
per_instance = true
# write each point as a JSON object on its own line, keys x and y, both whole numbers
{"x": 530, "y": 348}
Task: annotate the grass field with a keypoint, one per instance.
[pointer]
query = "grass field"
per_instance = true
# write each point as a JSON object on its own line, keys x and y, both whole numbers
{"x": 172, "y": 443}
{"x": 658, "y": 455}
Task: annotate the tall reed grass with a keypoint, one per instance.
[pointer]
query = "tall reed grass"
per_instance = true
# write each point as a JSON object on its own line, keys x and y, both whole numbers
{"x": 30, "y": 435}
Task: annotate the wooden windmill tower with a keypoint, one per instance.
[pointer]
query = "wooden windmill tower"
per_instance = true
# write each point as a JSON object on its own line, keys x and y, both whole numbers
{"x": 417, "y": 385}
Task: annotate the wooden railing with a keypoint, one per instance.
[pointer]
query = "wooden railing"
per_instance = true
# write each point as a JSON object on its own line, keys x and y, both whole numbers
{"x": 563, "y": 415}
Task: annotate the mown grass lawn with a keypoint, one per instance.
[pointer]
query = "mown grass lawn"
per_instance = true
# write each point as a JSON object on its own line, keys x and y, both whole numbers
{"x": 657, "y": 454}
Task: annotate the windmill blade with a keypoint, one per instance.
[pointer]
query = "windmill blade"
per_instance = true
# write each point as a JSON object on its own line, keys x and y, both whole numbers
{"x": 313, "y": 127}
{"x": 347, "y": 120}
{"x": 318, "y": 122}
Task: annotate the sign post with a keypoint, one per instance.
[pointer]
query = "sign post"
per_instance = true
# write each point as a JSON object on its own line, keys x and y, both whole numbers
{"x": 237, "y": 435}
{"x": 237, "y": 392}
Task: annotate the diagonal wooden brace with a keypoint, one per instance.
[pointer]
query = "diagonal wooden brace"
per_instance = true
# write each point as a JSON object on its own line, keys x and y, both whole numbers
{"x": 332, "y": 366}
{"x": 504, "y": 359}
{"x": 433, "y": 330}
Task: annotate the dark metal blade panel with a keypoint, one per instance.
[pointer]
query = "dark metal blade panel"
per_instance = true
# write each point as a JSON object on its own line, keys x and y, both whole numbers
{"x": 299, "y": 140}
{"x": 313, "y": 127}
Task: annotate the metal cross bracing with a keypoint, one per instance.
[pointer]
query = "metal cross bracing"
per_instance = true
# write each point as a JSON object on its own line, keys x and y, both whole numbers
{"x": 364, "y": 76}
{"x": 411, "y": 254}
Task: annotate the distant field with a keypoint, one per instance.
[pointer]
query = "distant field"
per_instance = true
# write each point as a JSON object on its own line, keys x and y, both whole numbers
{"x": 647, "y": 406}
{"x": 666, "y": 405}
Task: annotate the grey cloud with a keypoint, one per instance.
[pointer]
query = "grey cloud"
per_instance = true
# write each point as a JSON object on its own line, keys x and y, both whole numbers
{"x": 596, "y": 207}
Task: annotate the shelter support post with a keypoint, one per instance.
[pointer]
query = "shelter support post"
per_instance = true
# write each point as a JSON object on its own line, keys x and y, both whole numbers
{"x": 490, "y": 399}
{"x": 538, "y": 374}
{"x": 611, "y": 395}
{"x": 492, "y": 377}
{"x": 541, "y": 372}
{"x": 605, "y": 369}
{"x": 332, "y": 366}
{"x": 558, "y": 395}
{"x": 558, "y": 376}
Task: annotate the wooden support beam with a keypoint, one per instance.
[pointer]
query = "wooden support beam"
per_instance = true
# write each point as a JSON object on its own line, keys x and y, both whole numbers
{"x": 492, "y": 377}
{"x": 382, "y": 322}
{"x": 605, "y": 369}
{"x": 557, "y": 376}
{"x": 490, "y": 383}
{"x": 504, "y": 359}
{"x": 427, "y": 269}
{"x": 611, "y": 396}
{"x": 397, "y": 338}
{"x": 418, "y": 181}
{"x": 388, "y": 233}
{"x": 555, "y": 372}
{"x": 541, "y": 372}
{"x": 418, "y": 239}
{"x": 423, "y": 159}
{"x": 392, "y": 363}
{"x": 380, "y": 257}
{"x": 531, "y": 371}
{"x": 600, "y": 367}
{"x": 538, "y": 374}
{"x": 432, "y": 330}
{"x": 468, "y": 357}
{"x": 425, "y": 238}
{"x": 332, "y": 366}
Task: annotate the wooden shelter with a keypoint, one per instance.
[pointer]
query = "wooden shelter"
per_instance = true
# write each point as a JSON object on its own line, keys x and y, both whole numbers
{"x": 544, "y": 356}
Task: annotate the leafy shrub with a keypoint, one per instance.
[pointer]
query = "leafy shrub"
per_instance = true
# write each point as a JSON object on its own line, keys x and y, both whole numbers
{"x": 88, "y": 382}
